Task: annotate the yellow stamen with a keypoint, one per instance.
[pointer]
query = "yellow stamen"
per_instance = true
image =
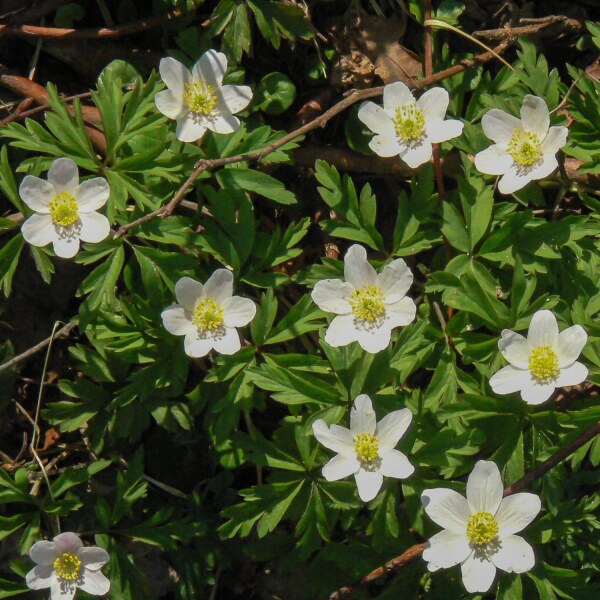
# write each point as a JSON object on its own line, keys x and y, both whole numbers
{"x": 525, "y": 148}
{"x": 409, "y": 122}
{"x": 367, "y": 447}
{"x": 200, "y": 97}
{"x": 543, "y": 364}
{"x": 367, "y": 303}
{"x": 482, "y": 528}
{"x": 67, "y": 566}
{"x": 63, "y": 209}
{"x": 207, "y": 315}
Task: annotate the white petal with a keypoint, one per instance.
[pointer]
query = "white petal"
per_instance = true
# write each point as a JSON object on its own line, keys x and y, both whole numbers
{"x": 36, "y": 193}
{"x": 43, "y": 553}
{"x": 188, "y": 291}
{"x": 395, "y": 464}
{"x": 94, "y": 227}
{"x": 484, "y": 487}
{"x": 362, "y": 416}
{"x": 394, "y": 280}
{"x": 392, "y": 427}
{"x": 38, "y": 230}
{"x": 514, "y": 180}
{"x": 385, "y": 145}
{"x": 500, "y": 126}
{"x": 572, "y": 375}
{"x": 509, "y": 380}
{"x": 543, "y": 329}
{"x": 375, "y": 118}
{"x": 238, "y": 311}
{"x": 535, "y": 116}
{"x": 418, "y": 155}
{"x": 67, "y": 542}
{"x": 374, "y": 340}
{"x": 400, "y": 313}
{"x": 549, "y": 165}
{"x": 92, "y": 194}
{"x": 170, "y": 104}
{"x": 515, "y": 348}
{"x": 40, "y": 577}
{"x": 554, "y": 140}
{"x": 515, "y": 555}
{"x": 336, "y": 438}
{"x": 223, "y": 122}
{"x": 211, "y": 67}
{"x": 65, "y": 247}
{"x": 188, "y": 130}
{"x": 516, "y": 512}
{"x": 341, "y": 331}
{"x": 368, "y": 484}
{"x": 64, "y": 175}
{"x": 333, "y": 295}
{"x": 340, "y": 466}
{"x": 478, "y": 574}
{"x": 174, "y": 74}
{"x": 395, "y": 95}
{"x": 235, "y": 97}
{"x": 61, "y": 590}
{"x": 534, "y": 393}
{"x": 219, "y": 286}
{"x": 94, "y": 582}
{"x": 569, "y": 345}
{"x": 440, "y": 131}
{"x": 93, "y": 557}
{"x": 229, "y": 343}
{"x": 447, "y": 508}
{"x": 357, "y": 269}
{"x": 446, "y": 549}
{"x": 176, "y": 322}
{"x": 197, "y": 347}
{"x": 493, "y": 160}
{"x": 434, "y": 104}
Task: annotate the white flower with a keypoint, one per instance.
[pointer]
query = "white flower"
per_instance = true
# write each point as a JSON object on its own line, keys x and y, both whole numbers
{"x": 64, "y": 564}
{"x": 65, "y": 210}
{"x": 479, "y": 531}
{"x": 208, "y": 314}
{"x": 368, "y": 305}
{"x": 407, "y": 128}
{"x": 366, "y": 450}
{"x": 198, "y": 101}
{"x": 543, "y": 361}
{"x": 524, "y": 149}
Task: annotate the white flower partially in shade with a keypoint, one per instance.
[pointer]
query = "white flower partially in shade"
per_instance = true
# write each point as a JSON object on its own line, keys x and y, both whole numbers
{"x": 65, "y": 210}
{"x": 368, "y": 305}
{"x": 65, "y": 564}
{"x": 479, "y": 531}
{"x": 366, "y": 450}
{"x": 543, "y": 361}
{"x": 524, "y": 149}
{"x": 198, "y": 100}
{"x": 207, "y": 315}
{"x": 406, "y": 127}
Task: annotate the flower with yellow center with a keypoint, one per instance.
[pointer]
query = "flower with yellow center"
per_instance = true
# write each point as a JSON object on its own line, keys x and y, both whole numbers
{"x": 406, "y": 127}
{"x": 368, "y": 305}
{"x": 479, "y": 531}
{"x": 63, "y": 209}
{"x": 367, "y": 449}
{"x": 542, "y": 362}
{"x": 197, "y": 100}
{"x": 524, "y": 149}
{"x": 65, "y": 564}
{"x": 208, "y": 314}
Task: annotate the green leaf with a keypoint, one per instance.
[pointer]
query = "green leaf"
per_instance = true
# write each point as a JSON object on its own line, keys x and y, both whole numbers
{"x": 255, "y": 181}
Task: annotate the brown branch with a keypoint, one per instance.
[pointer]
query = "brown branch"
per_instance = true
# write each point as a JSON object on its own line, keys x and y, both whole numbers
{"x": 92, "y": 34}
{"x": 320, "y": 121}
{"x": 416, "y": 551}
{"x": 542, "y": 25}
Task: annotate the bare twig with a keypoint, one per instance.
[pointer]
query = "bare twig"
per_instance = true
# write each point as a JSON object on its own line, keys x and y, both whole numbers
{"x": 533, "y": 26}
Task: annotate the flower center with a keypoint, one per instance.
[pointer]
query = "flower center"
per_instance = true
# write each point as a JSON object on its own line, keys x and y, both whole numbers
{"x": 367, "y": 447}
{"x": 207, "y": 315}
{"x": 409, "y": 122}
{"x": 525, "y": 148}
{"x": 63, "y": 209}
{"x": 367, "y": 303}
{"x": 482, "y": 528}
{"x": 543, "y": 364}
{"x": 200, "y": 97}
{"x": 67, "y": 566}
